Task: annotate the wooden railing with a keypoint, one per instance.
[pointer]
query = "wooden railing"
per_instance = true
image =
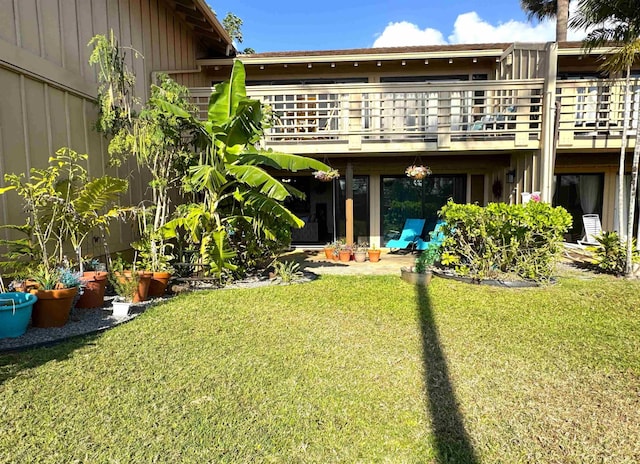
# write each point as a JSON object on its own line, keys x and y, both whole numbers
{"x": 400, "y": 116}
{"x": 459, "y": 116}
{"x": 592, "y": 113}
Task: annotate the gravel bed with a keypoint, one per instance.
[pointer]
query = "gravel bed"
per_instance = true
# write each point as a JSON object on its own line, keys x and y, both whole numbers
{"x": 81, "y": 322}
{"x": 89, "y": 321}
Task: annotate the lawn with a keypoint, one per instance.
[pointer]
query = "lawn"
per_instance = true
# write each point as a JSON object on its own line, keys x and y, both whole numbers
{"x": 343, "y": 369}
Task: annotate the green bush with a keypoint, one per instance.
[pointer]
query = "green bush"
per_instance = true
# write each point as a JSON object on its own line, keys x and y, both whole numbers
{"x": 611, "y": 255}
{"x": 488, "y": 242}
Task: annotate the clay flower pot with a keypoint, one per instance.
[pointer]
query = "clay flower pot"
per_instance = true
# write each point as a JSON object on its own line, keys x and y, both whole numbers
{"x": 144, "y": 280}
{"x": 328, "y": 252}
{"x": 93, "y": 296}
{"x": 345, "y": 255}
{"x": 360, "y": 256}
{"x": 374, "y": 256}
{"x": 53, "y": 307}
{"x": 158, "y": 284}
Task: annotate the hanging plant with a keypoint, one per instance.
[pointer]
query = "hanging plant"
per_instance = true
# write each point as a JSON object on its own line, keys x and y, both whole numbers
{"x": 418, "y": 171}
{"x": 326, "y": 176}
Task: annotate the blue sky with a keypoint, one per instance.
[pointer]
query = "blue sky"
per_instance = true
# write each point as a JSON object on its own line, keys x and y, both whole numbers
{"x": 330, "y": 24}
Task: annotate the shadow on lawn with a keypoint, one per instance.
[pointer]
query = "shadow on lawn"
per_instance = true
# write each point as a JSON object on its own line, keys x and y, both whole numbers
{"x": 14, "y": 362}
{"x": 451, "y": 439}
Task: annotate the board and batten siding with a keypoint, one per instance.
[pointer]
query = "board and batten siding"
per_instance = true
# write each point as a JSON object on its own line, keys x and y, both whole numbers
{"x": 49, "y": 89}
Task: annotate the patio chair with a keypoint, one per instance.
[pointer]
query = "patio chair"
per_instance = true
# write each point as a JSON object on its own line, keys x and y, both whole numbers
{"x": 592, "y": 229}
{"x": 436, "y": 237}
{"x": 410, "y": 235}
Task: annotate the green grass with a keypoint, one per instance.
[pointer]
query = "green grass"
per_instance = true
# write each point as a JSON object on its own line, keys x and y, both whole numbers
{"x": 344, "y": 369}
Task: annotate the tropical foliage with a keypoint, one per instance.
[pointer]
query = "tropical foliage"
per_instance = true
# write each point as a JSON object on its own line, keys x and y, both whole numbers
{"x": 611, "y": 255}
{"x": 230, "y": 178}
{"x": 62, "y": 205}
{"x": 499, "y": 239}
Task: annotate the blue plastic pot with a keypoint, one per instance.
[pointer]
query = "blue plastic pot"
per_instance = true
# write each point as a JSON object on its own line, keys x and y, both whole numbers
{"x": 15, "y": 312}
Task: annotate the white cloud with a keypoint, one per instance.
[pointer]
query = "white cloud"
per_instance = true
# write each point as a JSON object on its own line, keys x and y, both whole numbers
{"x": 406, "y": 34}
{"x": 470, "y": 28}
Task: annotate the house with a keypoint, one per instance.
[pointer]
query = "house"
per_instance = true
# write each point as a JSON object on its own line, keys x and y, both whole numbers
{"x": 491, "y": 120}
{"x": 49, "y": 89}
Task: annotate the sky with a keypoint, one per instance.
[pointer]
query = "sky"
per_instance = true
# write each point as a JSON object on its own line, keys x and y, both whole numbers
{"x": 327, "y": 25}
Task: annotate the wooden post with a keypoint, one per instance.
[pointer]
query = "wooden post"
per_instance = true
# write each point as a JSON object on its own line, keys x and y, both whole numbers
{"x": 349, "y": 203}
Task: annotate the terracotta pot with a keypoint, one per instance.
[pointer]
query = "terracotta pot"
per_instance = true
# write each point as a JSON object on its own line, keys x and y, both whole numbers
{"x": 328, "y": 253}
{"x": 53, "y": 307}
{"x": 158, "y": 284}
{"x": 93, "y": 296}
{"x": 144, "y": 279}
{"x": 345, "y": 255}
{"x": 360, "y": 256}
{"x": 374, "y": 256}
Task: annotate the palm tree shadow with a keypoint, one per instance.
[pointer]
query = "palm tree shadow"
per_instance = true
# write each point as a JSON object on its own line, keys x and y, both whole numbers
{"x": 452, "y": 442}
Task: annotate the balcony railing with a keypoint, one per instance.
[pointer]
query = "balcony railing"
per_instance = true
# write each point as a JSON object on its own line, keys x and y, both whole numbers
{"x": 592, "y": 113}
{"x": 460, "y": 116}
{"x": 400, "y": 116}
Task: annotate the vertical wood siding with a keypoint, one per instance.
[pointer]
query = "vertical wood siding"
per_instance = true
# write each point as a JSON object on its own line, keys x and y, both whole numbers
{"x": 40, "y": 115}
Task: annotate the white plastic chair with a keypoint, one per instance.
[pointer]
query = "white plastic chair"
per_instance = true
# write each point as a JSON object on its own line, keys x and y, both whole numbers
{"x": 592, "y": 229}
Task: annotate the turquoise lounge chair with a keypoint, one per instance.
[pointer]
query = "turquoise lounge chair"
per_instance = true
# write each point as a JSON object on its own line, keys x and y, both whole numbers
{"x": 410, "y": 235}
{"x": 436, "y": 238}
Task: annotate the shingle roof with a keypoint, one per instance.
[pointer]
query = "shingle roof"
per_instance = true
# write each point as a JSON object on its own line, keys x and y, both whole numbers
{"x": 382, "y": 50}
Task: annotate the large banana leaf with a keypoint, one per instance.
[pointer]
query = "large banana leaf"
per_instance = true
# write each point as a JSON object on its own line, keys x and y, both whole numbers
{"x": 257, "y": 177}
{"x": 245, "y": 127}
{"x": 269, "y": 207}
{"x": 226, "y": 96}
{"x": 219, "y": 252}
{"x": 286, "y": 161}
{"x": 205, "y": 177}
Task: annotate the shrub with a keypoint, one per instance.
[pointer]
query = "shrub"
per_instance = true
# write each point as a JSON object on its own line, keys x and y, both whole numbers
{"x": 485, "y": 242}
{"x": 611, "y": 255}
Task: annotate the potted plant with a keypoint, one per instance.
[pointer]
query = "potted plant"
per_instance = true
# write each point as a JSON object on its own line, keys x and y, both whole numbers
{"x": 329, "y": 249}
{"x": 62, "y": 205}
{"x": 15, "y": 313}
{"x": 420, "y": 273}
{"x": 126, "y": 289}
{"x": 360, "y": 252}
{"x": 344, "y": 253}
{"x": 158, "y": 264}
{"x": 123, "y": 272}
{"x": 374, "y": 254}
{"x": 94, "y": 279}
{"x": 56, "y": 291}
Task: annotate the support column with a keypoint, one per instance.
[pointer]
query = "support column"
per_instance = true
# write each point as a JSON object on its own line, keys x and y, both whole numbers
{"x": 547, "y": 141}
{"x": 375, "y": 233}
{"x": 349, "y": 203}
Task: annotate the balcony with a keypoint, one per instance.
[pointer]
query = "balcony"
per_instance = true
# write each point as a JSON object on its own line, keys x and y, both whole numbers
{"x": 592, "y": 113}
{"x": 447, "y": 117}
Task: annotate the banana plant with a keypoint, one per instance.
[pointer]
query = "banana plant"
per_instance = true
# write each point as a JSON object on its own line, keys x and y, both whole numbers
{"x": 231, "y": 177}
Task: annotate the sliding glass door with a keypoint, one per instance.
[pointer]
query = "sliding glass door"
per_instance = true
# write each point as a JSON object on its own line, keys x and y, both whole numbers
{"x": 404, "y": 198}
